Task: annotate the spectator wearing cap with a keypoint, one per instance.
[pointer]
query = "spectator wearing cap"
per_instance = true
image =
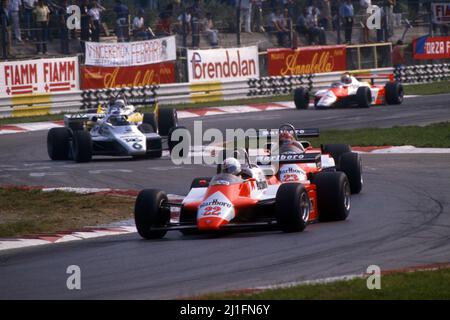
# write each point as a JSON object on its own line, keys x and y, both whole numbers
{"x": 347, "y": 14}
{"x": 14, "y": 9}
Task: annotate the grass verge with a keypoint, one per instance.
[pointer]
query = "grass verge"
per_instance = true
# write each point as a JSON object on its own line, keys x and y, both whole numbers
{"x": 428, "y": 88}
{"x": 419, "y": 285}
{"x": 33, "y": 211}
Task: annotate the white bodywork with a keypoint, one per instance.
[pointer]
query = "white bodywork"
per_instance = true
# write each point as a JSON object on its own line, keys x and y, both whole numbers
{"x": 327, "y": 97}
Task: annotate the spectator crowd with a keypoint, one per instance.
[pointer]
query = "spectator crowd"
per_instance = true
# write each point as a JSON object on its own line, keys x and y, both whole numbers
{"x": 291, "y": 22}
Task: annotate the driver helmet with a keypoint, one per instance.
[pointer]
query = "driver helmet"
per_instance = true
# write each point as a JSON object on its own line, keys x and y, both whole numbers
{"x": 286, "y": 138}
{"x": 346, "y": 79}
{"x": 120, "y": 103}
{"x": 231, "y": 166}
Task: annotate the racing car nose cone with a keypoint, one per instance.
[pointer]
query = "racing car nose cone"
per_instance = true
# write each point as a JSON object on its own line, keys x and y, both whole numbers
{"x": 212, "y": 223}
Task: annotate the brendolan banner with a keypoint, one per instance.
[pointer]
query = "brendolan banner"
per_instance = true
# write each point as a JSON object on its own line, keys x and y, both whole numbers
{"x": 440, "y": 12}
{"x": 41, "y": 76}
{"x": 223, "y": 64}
{"x": 315, "y": 59}
{"x": 431, "y": 48}
{"x": 126, "y": 54}
{"x": 134, "y": 76}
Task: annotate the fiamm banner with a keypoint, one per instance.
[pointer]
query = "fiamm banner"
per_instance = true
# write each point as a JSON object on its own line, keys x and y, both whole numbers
{"x": 430, "y": 48}
{"x": 315, "y": 59}
{"x": 134, "y": 76}
{"x": 41, "y": 76}
{"x": 440, "y": 12}
{"x": 125, "y": 54}
{"x": 215, "y": 65}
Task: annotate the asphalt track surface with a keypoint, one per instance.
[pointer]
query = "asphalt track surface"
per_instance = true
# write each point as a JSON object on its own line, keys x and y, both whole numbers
{"x": 402, "y": 218}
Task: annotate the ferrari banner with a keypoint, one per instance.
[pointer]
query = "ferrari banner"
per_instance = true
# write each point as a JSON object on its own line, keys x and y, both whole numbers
{"x": 223, "y": 64}
{"x": 440, "y": 12}
{"x": 125, "y": 54}
{"x": 316, "y": 59}
{"x": 42, "y": 76}
{"x": 431, "y": 48}
{"x": 135, "y": 76}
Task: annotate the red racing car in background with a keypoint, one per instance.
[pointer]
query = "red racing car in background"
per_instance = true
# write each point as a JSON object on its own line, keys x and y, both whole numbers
{"x": 352, "y": 90}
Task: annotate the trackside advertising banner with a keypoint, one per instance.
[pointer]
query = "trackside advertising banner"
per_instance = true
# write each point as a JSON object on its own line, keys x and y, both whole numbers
{"x": 125, "y": 54}
{"x": 223, "y": 64}
{"x": 440, "y": 12}
{"x": 429, "y": 48}
{"x": 315, "y": 59}
{"x": 134, "y": 76}
{"x": 42, "y": 76}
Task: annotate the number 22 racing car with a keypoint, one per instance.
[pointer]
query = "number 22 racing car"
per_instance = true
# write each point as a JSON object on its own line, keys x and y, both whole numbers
{"x": 117, "y": 131}
{"x": 310, "y": 185}
{"x": 352, "y": 91}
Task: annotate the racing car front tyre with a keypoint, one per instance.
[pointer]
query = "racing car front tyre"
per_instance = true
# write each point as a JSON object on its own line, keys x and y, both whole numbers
{"x": 336, "y": 150}
{"x": 364, "y": 97}
{"x": 292, "y": 207}
{"x": 333, "y": 195}
{"x": 150, "y": 119}
{"x": 351, "y": 165}
{"x": 394, "y": 93}
{"x": 58, "y": 143}
{"x": 301, "y": 98}
{"x": 149, "y": 213}
{"x": 81, "y": 146}
{"x": 167, "y": 119}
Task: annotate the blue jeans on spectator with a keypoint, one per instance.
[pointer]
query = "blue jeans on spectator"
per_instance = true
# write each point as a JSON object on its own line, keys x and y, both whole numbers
{"x": 28, "y": 19}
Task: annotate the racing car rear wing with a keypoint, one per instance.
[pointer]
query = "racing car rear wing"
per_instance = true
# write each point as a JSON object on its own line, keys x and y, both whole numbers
{"x": 81, "y": 117}
{"x": 291, "y": 158}
{"x": 361, "y": 75}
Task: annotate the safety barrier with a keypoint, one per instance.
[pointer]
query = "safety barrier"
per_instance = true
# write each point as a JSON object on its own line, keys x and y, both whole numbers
{"x": 179, "y": 93}
{"x": 422, "y": 73}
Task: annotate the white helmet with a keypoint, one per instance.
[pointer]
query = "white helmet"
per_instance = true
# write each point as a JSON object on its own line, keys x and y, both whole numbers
{"x": 346, "y": 79}
{"x": 231, "y": 166}
{"x": 120, "y": 103}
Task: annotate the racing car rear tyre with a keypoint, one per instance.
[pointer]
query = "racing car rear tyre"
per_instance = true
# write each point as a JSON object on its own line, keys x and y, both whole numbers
{"x": 351, "y": 165}
{"x": 301, "y": 98}
{"x": 333, "y": 195}
{"x": 58, "y": 143}
{"x": 202, "y": 182}
{"x": 394, "y": 93}
{"x": 336, "y": 150}
{"x": 150, "y": 119}
{"x": 171, "y": 143}
{"x": 167, "y": 119}
{"x": 148, "y": 213}
{"x": 364, "y": 97}
{"x": 81, "y": 146}
{"x": 292, "y": 207}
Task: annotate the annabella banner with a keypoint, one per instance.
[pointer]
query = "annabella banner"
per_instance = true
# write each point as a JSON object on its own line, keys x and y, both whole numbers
{"x": 430, "y": 48}
{"x": 223, "y": 64}
{"x": 316, "y": 59}
{"x": 136, "y": 53}
{"x": 119, "y": 77}
{"x": 41, "y": 76}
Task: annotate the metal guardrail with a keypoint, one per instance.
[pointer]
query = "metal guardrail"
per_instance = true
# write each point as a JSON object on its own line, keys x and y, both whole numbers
{"x": 178, "y": 93}
{"x": 422, "y": 73}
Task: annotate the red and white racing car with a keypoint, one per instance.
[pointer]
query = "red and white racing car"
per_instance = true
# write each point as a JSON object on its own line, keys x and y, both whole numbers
{"x": 353, "y": 91}
{"x": 309, "y": 186}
